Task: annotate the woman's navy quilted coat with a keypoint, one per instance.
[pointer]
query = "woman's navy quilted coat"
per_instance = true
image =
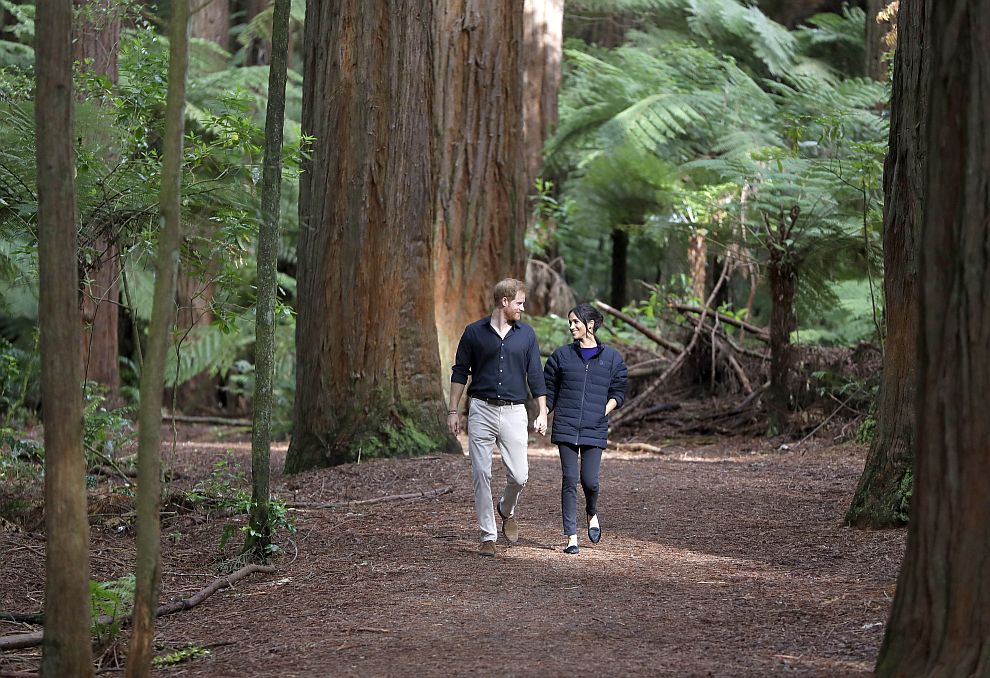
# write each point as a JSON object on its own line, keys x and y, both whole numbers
{"x": 577, "y": 392}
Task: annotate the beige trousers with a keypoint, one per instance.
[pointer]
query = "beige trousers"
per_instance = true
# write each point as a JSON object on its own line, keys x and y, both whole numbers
{"x": 506, "y": 427}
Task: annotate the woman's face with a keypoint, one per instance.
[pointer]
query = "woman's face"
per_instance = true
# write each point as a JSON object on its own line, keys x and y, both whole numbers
{"x": 578, "y": 329}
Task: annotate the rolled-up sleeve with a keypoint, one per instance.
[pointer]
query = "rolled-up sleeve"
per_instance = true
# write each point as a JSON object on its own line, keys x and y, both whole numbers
{"x": 461, "y": 370}
{"x": 620, "y": 379}
{"x": 534, "y": 369}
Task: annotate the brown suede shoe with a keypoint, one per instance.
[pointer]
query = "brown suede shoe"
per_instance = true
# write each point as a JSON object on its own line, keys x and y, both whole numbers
{"x": 487, "y": 549}
{"x": 510, "y": 528}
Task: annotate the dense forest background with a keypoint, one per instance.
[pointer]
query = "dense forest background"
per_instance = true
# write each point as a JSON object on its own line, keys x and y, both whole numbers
{"x": 280, "y": 215}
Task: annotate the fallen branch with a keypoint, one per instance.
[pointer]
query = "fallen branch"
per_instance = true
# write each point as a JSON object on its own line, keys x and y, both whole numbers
{"x": 217, "y": 421}
{"x": 759, "y": 332}
{"x": 647, "y": 368}
{"x": 23, "y": 640}
{"x": 376, "y": 500}
{"x": 639, "y": 327}
{"x": 23, "y": 617}
{"x": 639, "y": 447}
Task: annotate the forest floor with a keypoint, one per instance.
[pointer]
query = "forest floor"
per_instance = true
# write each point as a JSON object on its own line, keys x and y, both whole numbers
{"x": 719, "y": 557}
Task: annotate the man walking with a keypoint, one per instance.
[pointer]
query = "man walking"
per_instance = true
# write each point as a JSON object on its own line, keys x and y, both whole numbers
{"x": 501, "y": 356}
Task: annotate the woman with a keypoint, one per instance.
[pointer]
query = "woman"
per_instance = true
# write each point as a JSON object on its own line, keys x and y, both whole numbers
{"x": 586, "y": 380}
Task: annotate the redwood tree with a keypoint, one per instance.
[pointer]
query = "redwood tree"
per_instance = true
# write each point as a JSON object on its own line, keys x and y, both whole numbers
{"x": 939, "y": 624}
{"x": 481, "y": 197}
{"x": 368, "y": 379}
{"x": 883, "y": 493}
{"x": 66, "y": 644}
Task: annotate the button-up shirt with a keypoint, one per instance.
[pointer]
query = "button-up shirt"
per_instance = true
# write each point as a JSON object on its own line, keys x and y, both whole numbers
{"x": 499, "y": 367}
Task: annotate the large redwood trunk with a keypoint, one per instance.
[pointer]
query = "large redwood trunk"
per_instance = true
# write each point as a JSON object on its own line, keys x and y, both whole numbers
{"x": 481, "y": 196}
{"x": 940, "y": 621}
{"x": 368, "y": 379}
{"x": 212, "y": 22}
{"x": 882, "y": 497}
{"x": 543, "y": 52}
{"x": 95, "y": 42}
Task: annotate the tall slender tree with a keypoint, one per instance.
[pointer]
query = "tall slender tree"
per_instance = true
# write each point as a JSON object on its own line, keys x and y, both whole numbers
{"x": 883, "y": 495}
{"x": 264, "y": 344}
{"x": 66, "y": 644}
{"x": 148, "y": 575}
{"x": 481, "y": 196}
{"x": 938, "y": 624}
{"x": 367, "y": 366}
{"x": 210, "y": 20}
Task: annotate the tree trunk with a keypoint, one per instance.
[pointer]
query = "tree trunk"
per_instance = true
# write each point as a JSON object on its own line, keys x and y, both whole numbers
{"x": 95, "y": 43}
{"x": 939, "y": 624}
{"x": 260, "y": 534}
{"x": 698, "y": 264}
{"x": 884, "y": 490}
{"x": 543, "y": 53}
{"x": 876, "y": 47}
{"x": 211, "y": 22}
{"x": 368, "y": 378}
{"x": 481, "y": 197}
{"x": 620, "y": 277}
{"x": 66, "y": 644}
{"x": 148, "y": 574}
{"x": 782, "y": 275}
{"x": 194, "y": 291}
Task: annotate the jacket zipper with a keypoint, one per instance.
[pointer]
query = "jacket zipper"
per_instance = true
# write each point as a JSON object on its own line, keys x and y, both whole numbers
{"x": 584, "y": 388}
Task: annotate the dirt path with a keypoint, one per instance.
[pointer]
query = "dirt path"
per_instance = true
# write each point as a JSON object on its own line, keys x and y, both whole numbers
{"x": 727, "y": 559}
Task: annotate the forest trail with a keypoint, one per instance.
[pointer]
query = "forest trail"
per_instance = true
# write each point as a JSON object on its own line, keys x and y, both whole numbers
{"x": 722, "y": 558}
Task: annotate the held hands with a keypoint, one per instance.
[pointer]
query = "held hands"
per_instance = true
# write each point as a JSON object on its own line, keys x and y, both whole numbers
{"x": 540, "y": 425}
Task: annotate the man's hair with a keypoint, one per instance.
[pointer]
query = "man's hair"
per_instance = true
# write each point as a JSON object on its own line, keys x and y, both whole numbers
{"x": 509, "y": 287}
{"x": 586, "y": 313}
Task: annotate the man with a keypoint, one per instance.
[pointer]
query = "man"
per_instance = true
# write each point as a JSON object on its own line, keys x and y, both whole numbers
{"x": 501, "y": 356}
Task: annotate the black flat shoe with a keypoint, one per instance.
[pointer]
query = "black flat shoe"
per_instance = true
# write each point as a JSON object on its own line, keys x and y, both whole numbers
{"x": 572, "y": 550}
{"x": 595, "y": 534}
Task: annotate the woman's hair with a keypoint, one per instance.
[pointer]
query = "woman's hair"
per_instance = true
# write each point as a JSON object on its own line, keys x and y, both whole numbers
{"x": 586, "y": 313}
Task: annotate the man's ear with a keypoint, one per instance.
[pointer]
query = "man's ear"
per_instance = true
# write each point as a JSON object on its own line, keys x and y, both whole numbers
{"x": 505, "y": 302}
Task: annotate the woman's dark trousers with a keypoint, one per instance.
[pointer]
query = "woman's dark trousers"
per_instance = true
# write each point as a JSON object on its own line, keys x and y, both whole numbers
{"x": 577, "y": 463}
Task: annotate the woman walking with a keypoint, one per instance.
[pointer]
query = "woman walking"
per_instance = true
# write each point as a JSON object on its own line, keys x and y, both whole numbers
{"x": 586, "y": 380}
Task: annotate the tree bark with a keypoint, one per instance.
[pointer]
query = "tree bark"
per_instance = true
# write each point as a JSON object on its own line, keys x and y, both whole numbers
{"x": 368, "y": 378}
{"x": 148, "y": 504}
{"x": 95, "y": 44}
{"x": 66, "y": 650}
{"x": 481, "y": 196}
{"x": 211, "y": 22}
{"x": 543, "y": 53}
{"x": 782, "y": 272}
{"x": 260, "y": 534}
{"x": 698, "y": 264}
{"x": 939, "y": 624}
{"x": 884, "y": 491}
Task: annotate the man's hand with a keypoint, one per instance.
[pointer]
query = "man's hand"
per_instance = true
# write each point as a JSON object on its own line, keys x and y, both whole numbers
{"x": 454, "y": 422}
{"x": 540, "y": 425}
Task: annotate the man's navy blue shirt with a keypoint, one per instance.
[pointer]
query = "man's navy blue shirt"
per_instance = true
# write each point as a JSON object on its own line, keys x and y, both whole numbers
{"x": 499, "y": 368}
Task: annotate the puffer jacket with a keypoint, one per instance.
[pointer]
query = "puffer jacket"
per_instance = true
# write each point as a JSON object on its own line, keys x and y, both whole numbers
{"x": 577, "y": 392}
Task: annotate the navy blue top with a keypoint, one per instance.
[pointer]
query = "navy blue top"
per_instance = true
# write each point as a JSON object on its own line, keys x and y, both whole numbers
{"x": 499, "y": 368}
{"x": 578, "y": 391}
